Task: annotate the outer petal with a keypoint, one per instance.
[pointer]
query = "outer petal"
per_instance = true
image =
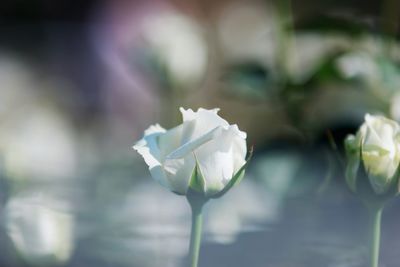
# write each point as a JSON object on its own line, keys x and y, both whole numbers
{"x": 178, "y": 170}
{"x": 190, "y": 146}
{"x": 379, "y": 132}
{"x": 148, "y": 145}
{"x": 380, "y": 151}
{"x": 380, "y": 170}
{"x": 150, "y": 151}
{"x": 218, "y": 159}
{"x": 205, "y": 121}
{"x": 239, "y": 148}
{"x": 171, "y": 140}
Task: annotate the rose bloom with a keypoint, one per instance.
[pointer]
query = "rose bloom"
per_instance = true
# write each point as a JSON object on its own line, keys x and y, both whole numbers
{"x": 376, "y": 145}
{"x": 204, "y": 146}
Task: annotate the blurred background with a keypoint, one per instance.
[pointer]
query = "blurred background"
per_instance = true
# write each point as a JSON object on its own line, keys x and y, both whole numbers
{"x": 81, "y": 80}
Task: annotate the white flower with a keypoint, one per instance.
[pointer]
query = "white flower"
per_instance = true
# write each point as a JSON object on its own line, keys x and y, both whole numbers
{"x": 377, "y": 146}
{"x": 203, "y": 153}
{"x": 38, "y": 145}
{"x": 42, "y": 235}
{"x": 179, "y": 44}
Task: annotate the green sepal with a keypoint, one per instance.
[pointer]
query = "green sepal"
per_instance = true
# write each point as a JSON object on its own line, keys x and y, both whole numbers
{"x": 351, "y": 173}
{"x": 236, "y": 179}
{"x": 353, "y": 155}
{"x": 197, "y": 182}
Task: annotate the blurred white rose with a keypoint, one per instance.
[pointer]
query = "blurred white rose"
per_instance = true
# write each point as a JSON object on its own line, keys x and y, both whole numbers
{"x": 179, "y": 44}
{"x": 247, "y": 31}
{"x": 358, "y": 64}
{"x": 205, "y": 140}
{"x": 16, "y": 90}
{"x": 42, "y": 235}
{"x": 39, "y": 145}
{"x": 376, "y": 145}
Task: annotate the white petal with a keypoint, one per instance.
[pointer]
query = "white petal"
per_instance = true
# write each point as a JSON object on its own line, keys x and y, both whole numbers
{"x": 381, "y": 171}
{"x": 170, "y": 140}
{"x": 150, "y": 151}
{"x": 372, "y": 136}
{"x": 179, "y": 171}
{"x": 205, "y": 121}
{"x": 380, "y": 131}
{"x": 189, "y": 114}
{"x": 148, "y": 145}
{"x": 193, "y": 145}
{"x": 239, "y": 148}
{"x": 220, "y": 158}
{"x": 217, "y": 170}
{"x": 380, "y": 152}
{"x": 156, "y": 128}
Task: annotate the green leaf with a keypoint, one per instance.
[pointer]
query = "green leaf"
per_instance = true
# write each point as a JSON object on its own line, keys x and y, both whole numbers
{"x": 236, "y": 178}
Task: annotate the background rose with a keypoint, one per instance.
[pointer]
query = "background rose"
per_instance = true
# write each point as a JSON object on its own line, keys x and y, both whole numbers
{"x": 204, "y": 137}
{"x": 377, "y": 145}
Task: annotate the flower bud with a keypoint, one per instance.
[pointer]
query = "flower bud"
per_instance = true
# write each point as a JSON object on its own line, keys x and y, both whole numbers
{"x": 374, "y": 152}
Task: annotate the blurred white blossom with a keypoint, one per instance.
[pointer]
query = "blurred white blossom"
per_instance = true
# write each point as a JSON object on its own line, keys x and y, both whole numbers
{"x": 39, "y": 144}
{"x": 310, "y": 51}
{"x": 358, "y": 65}
{"x": 178, "y": 42}
{"x": 16, "y": 87}
{"x": 248, "y": 31}
{"x": 41, "y": 233}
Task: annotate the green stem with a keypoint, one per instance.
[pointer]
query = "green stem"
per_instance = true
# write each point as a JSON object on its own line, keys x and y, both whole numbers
{"x": 375, "y": 235}
{"x": 195, "y": 236}
{"x": 286, "y": 35}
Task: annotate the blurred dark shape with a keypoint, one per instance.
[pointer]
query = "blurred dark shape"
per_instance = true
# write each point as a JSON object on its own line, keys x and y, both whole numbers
{"x": 248, "y": 80}
{"x": 42, "y": 11}
{"x": 338, "y": 23}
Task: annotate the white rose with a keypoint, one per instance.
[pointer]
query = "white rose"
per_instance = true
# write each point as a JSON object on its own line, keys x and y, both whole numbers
{"x": 42, "y": 235}
{"x": 377, "y": 146}
{"x": 205, "y": 140}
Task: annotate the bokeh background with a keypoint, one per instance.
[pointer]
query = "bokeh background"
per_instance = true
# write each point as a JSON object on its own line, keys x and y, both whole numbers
{"x": 81, "y": 80}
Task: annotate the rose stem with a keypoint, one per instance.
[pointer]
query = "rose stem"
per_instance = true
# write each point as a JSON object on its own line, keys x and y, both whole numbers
{"x": 286, "y": 36}
{"x": 195, "y": 236}
{"x": 375, "y": 235}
